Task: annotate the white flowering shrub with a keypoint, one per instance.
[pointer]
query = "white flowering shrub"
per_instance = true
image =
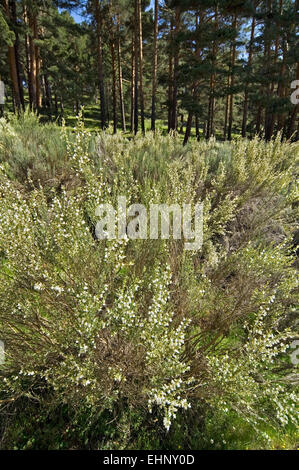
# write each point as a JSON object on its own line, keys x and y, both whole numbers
{"x": 144, "y": 324}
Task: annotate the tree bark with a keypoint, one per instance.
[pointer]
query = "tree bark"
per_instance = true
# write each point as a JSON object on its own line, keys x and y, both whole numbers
{"x": 232, "y": 82}
{"x": 48, "y": 91}
{"x": 249, "y": 65}
{"x": 114, "y": 93}
{"x": 13, "y": 9}
{"x": 173, "y": 124}
{"x": 56, "y": 104}
{"x": 13, "y": 65}
{"x": 170, "y": 74}
{"x": 38, "y": 66}
{"x": 197, "y": 128}
{"x": 140, "y": 41}
{"x": 188, "y": 128}
{"x": 195, "y": 93}
{"x": 281, "y": 85}
{"x": 226, "y": 111}
{"x": 99, "y": 22}
{"x": 133, "y": 82}
{"x": 32, "y": 59}
{"x": 30, "y": 91}
{"x": 267, "y": 47}
{"x": 291, "y": 127}
{"x": 136, "y": 82}
{"x": 210, "y": 127}
{"x": 273, "y": 116}
{"x": 155, "y": 68}
{"x": 120, "y": 79}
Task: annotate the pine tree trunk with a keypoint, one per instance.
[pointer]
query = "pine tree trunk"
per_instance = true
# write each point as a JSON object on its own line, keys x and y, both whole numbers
{"x": 181, "y": 130}
{"x": 170, "y": 74}
{"x": 56, "y": 104}
{"x": 32, "y": 60}
{"x": 13, "y": 66}
{"x": 30, "y": 91}
{"x": 136, "y": 47}
{"x": 226, "y": 111}
{"x": 210, "y": 128}
{"x": 141, "y": 95}
{"x": 281, "y": 86}
{"x": 99, "y": 21}
{"x": 273, "y": 116}
{"x": 197, "y": 128}
{"x": 195, "y": 93}
{"x": 120, "y": 79}
{"x": 48, "y": 91}
{"x": 173, "y": 124}
{"x": 114, "y": 92}
{"x": 210, "y": 124}
{"x": 188, "y": 128}
{"x": 38, "y": 66}
{"x": 199, "y": 21}
{"x": 14, "y": 109}
{"x": 17, "y": 51}
{"x": 267, "y": 47}
{"x": 155, "y": 68}
{"x": 14, "y": 76}
{"x": 107, "y": 95}
{"x": 133, "y": 82}
{"x": 259, "y": 117}
{"x": 291, "y": 128}
{"x": 292, "y": 121}
{"x": 61, "y": 106}
{"x": 249, "y": 64}
{"x": 232, "y": 82}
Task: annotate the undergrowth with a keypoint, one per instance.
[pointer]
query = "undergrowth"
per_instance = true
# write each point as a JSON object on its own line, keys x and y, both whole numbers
{"x": 141, "y": 344}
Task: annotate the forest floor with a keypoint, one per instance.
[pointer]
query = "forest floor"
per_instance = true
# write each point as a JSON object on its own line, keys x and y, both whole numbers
{"x": 92, "y": 120}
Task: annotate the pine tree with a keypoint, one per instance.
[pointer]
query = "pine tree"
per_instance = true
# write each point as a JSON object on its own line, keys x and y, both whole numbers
{"x": 155, "y": 66}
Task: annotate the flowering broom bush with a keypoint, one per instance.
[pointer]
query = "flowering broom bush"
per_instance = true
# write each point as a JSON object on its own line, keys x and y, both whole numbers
{"x": 101, "y": 324}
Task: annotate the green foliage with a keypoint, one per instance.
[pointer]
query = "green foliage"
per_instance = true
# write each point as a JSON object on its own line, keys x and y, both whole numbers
{"x": 6, "y": 34}
{"x": 33, "y": 150}
{"x": 118, "y": 336}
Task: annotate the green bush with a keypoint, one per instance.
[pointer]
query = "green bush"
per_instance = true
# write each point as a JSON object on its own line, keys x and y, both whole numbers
{"x": 33, "y": 150}
{"x": 112, "y": 330}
